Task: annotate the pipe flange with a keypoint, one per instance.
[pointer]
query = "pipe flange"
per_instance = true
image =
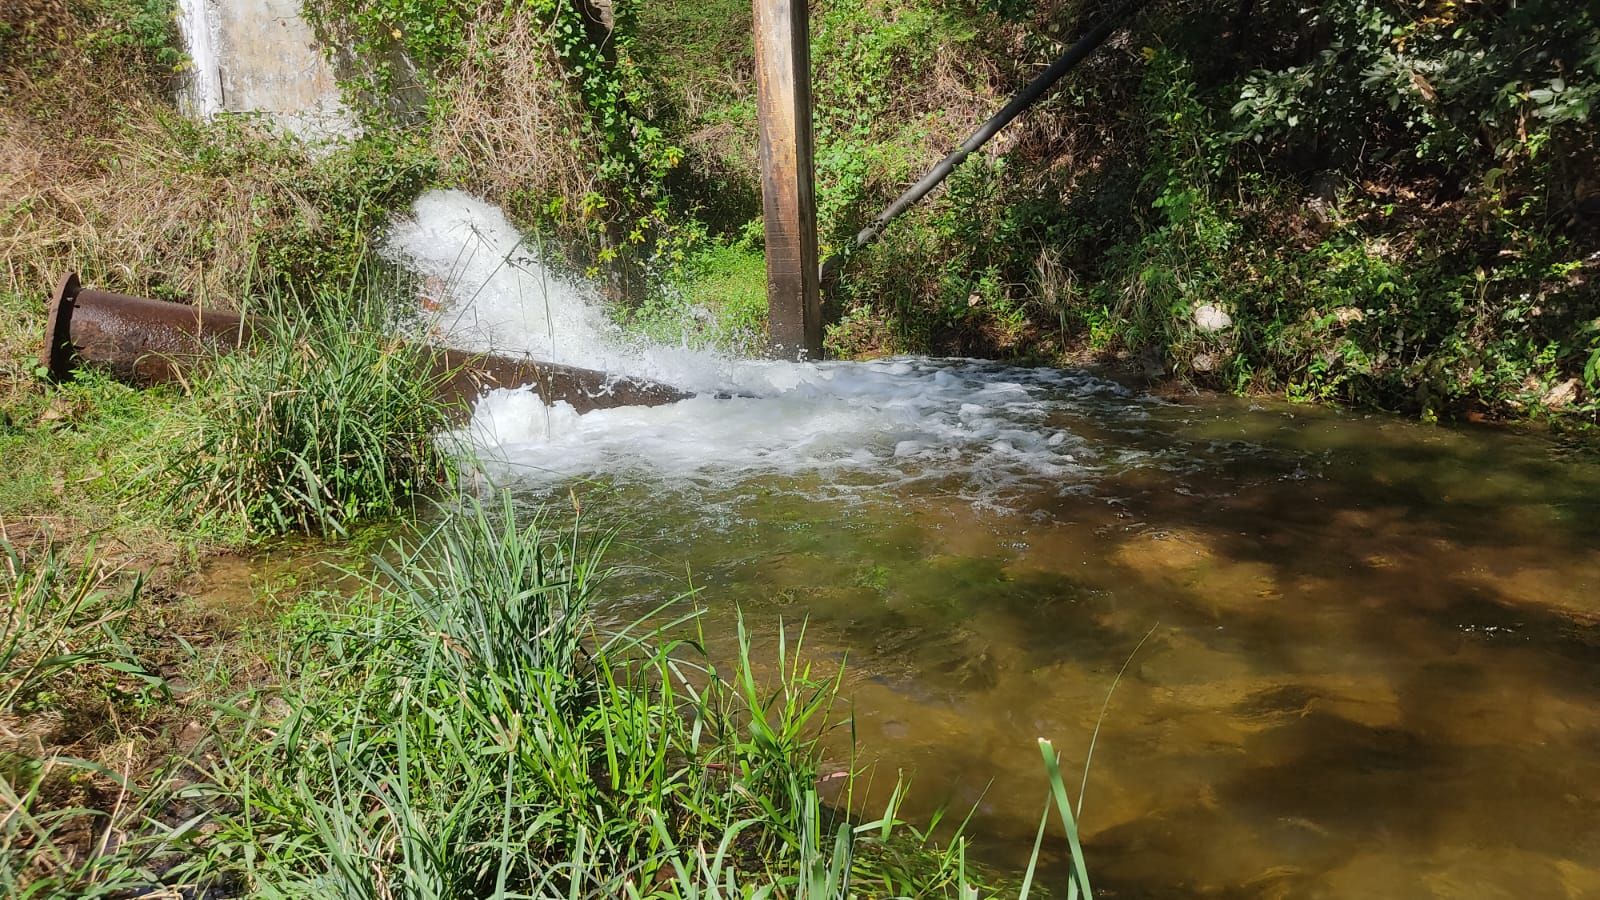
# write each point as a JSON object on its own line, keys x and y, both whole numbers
{"x": 56, "y": 357}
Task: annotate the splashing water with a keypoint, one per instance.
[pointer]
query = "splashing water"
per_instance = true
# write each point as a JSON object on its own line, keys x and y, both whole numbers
{"x": 988, "y": 427}
{"x": 203, "y": 94}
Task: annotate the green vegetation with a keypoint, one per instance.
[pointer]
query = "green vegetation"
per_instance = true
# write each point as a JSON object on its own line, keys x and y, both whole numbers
{"x": 468, "y": 728}
{"x": 1389, "y": 201}
{"x": 62, "y": 651}
{"x": 537, "y": 102}
{"x": 454, "y": 726}
{"x": 329, "y": 418}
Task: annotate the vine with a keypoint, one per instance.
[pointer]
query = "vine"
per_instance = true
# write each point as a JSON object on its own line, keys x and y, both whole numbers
{"x": 403, "y": 45}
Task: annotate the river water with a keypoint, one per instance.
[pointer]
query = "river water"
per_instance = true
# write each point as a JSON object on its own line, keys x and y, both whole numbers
{"x": 1368, "y": 651}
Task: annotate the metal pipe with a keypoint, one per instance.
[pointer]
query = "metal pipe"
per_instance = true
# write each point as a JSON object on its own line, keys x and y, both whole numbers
{"x": 1023, "y": 99}
{"x": 140, "y": 341}
{"x": 147, "y": 342}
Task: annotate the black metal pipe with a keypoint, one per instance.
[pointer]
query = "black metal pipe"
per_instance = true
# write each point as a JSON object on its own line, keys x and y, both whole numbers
{"x": 1024, "y": 98}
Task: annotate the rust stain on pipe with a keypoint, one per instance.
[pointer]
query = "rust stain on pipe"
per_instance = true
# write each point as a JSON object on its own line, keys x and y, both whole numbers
{"x": 145, "y": 342}
{"x": 140, "y": 341}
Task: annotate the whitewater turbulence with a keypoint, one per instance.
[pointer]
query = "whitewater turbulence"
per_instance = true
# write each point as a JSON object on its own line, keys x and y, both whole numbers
{"x": 983, "y": 430}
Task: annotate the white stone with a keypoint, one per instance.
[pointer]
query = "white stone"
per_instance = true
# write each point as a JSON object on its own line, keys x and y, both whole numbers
{"x": 1562, "y": 395}
{"x": 1209, "y": 317}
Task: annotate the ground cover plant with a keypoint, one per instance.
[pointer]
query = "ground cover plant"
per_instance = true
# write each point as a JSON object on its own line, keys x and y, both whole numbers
{"x": 70, "y": 666}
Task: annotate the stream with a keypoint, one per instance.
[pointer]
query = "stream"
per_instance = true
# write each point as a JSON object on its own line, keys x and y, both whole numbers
{"x": 1368, "y": 650}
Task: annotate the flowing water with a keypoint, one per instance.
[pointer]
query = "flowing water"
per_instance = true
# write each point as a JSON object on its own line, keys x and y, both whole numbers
{"x": 1370, "y": 658}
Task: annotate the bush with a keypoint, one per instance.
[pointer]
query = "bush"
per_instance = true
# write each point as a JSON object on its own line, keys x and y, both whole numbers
{"x": 330, "y": 417}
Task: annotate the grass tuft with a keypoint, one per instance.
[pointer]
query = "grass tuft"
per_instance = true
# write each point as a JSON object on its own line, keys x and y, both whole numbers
{"x": 65, "y": 659}
{"x": 329, "y": 418}
{"x": 467, "y": 729}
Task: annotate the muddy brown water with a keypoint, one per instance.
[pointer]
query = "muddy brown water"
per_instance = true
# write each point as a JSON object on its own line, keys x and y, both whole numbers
{"x": 1372, "y": 666}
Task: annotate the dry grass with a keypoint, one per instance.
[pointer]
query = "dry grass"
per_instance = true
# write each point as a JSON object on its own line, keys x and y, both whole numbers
{"x": 99, "y": 174}
{"x": 513, "y": 132}
{"x": 133, "y": 200}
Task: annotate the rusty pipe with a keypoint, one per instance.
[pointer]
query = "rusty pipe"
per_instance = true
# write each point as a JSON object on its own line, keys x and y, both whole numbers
{"x": 146, "y": 342}
{"x": 139, "y": 341}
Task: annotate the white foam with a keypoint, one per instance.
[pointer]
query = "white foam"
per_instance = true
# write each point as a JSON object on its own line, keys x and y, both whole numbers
{"x": 980, "y": 427}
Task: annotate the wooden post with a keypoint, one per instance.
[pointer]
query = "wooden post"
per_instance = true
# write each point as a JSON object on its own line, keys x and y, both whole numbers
{"x": 783, "y": 84}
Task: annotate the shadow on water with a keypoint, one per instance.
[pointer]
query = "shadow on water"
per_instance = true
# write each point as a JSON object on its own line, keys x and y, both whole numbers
{"x": 1374, "y": 667}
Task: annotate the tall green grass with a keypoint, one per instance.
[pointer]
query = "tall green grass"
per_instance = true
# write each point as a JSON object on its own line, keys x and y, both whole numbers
{"x": 61, "y": 621}
{"x": 467, "y": 730}
{"x": 328, "y": 418}
{"x": 64, "y": 655}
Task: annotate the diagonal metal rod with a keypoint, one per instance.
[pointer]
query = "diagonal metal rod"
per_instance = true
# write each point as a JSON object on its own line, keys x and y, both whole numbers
{"x": 1023, "y": 99}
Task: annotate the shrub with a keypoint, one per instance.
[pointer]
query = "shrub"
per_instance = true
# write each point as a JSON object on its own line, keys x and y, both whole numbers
{"x": 329, "y": 417}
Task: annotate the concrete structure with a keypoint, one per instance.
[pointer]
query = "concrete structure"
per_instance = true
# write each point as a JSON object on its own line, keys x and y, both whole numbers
{"x": 261, "y": 56}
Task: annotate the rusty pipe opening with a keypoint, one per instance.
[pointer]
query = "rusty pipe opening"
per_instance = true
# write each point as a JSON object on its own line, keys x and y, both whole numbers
{"x": 140, "y": 341}
{"x": 146, "y": 342}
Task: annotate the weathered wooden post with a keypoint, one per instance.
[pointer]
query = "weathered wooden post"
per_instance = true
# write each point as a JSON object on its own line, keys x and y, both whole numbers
{"x": 783, "y": 84}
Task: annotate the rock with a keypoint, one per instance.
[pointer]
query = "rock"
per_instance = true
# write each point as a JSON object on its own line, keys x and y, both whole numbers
{"x": 190, "y": 736}
{"x": 1209, "y": 317}
{"x": 1562, "y": 395}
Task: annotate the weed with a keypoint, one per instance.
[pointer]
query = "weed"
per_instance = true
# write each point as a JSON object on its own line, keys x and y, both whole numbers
{"x": 329, "y": 417}
{"x": 64, "y": 657}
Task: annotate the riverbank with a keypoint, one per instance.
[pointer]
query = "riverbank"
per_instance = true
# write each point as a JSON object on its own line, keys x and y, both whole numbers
{"x": 1171, "y": 206}
{"x": 168, "y": 711}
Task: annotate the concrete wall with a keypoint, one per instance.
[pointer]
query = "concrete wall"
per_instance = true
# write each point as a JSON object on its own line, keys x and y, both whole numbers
{"x": 261, "y": 56}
